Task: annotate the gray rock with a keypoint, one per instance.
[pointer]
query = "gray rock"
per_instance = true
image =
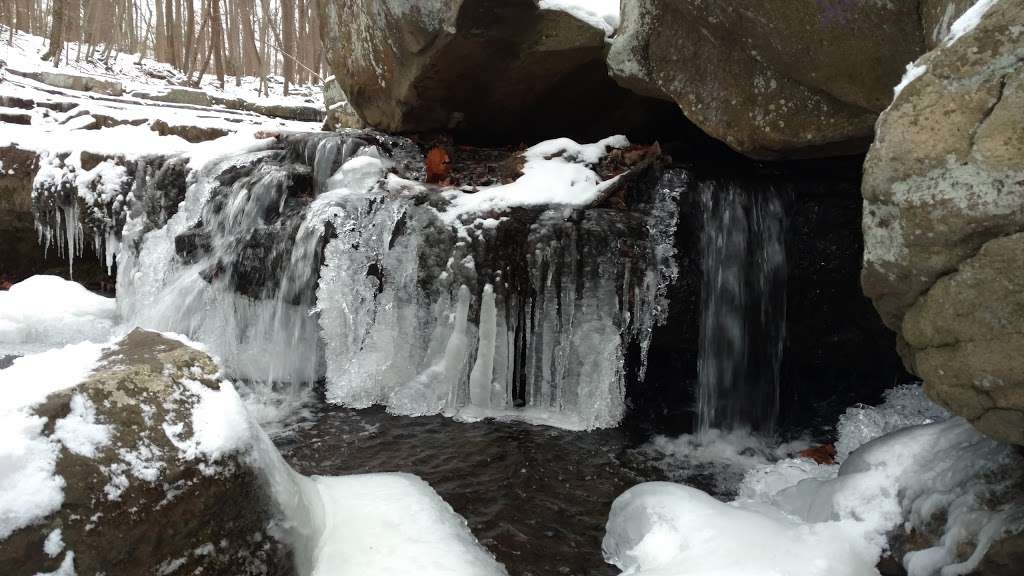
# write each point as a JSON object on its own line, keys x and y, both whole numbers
{"x": 793, "y": 80}
{"x": 176, "y": 95}
{"x": 943, "y": 211}
{"x": 487, "y": 68}
{"x": 69, "y": 81}
{"x": 141, "y": 505}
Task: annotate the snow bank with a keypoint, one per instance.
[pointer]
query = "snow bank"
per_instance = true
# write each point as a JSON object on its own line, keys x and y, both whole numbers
{"x": 794, "y": 517}
{"x": 45, "y": 312}
{"x": 29, "y": 488}
{"x": 556, "y": 172}
{"x": 660, "y": 528}
{"x": 601, "y": 14}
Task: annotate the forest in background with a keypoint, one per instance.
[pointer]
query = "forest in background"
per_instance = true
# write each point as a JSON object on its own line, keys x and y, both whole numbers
{"x": 227, "y": 38}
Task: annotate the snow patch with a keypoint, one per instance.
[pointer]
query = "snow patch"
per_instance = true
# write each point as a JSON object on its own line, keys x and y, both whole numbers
{"x": 79, "y": 431}
{"x": 914, "y": 71}
{"x": 601, "y": 14}
{"x": 968, "y": 20}
{"x": 29, "y": 488}
{"x": 54, "y": 543}
{"x": 556, "y": 172}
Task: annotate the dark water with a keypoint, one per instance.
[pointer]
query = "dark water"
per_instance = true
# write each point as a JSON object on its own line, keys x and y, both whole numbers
{"x": 536, "y": 497}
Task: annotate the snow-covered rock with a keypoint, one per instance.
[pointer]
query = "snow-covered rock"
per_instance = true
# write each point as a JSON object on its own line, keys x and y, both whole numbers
{"x": 138, "y": 449}
{"x": 138, "y": 458}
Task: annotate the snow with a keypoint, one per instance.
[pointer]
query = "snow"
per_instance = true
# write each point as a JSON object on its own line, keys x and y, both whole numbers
{"x": 556, "y": 172}
{"x": 660, "y": 528}
{"x": 219, "y": 421}
{"x": 145, "y": 74}
{"x": 66, "y": 568}
{"x": 79, "y": 431}
{"x": 968, "y": 20}
{"x": 914, "y": 71}
{"x": 45, "y": 312}
{"x": 29, "y": 488}
{"x": 601, "y": 14}
{"x": 387, "y": 524}
{"x": 54, "y": 543}
{"x": 906, "y": 471}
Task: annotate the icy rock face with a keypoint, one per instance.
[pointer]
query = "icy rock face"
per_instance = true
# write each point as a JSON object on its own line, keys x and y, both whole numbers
{"x": 526, "y": 314}
{"x": 151, "y": 470}
{"x": 80, "y": 197}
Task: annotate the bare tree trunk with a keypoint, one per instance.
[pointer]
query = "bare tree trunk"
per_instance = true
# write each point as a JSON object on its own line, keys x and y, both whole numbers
{"x": 169, "y": 46}
{"x": 56, "y": 32}
{"x": 217, "y": 41}
{"x": 288, "y": 38}
{"x": 190, "y": 40}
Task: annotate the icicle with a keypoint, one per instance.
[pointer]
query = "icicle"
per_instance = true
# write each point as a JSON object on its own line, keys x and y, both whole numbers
{"x": 480, "y": 378}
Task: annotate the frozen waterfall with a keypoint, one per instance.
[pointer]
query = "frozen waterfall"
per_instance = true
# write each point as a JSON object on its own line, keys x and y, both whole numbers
{"x": 324, "y": 256}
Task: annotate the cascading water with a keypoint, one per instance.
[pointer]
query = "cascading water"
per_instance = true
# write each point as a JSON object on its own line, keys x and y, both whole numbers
{"x": 743, "y": 312}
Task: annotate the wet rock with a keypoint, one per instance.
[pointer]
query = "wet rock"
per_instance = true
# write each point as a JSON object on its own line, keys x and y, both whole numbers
{"x": 944, "y": 211}
{"x": 489, "y": 69}
{"x": 142, "y": 503}
{"x": 790, "y": 81}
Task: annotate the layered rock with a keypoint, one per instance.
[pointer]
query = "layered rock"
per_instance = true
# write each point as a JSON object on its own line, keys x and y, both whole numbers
{"x": 944, "y": 211}
{"x": 146, "y": 490}
{"x": 790, "y": 81}
{"x": 491, "y": 69}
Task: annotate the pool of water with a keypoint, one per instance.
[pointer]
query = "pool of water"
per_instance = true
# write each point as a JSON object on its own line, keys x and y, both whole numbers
{"x": 536, "y": 497}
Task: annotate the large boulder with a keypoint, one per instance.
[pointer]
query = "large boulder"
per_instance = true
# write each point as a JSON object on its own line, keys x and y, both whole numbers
{"x": 795, "y": 79}
{"x": 489, "y": 69}
{"x": 944, "y": 211}
{"x": 147, "y": 490}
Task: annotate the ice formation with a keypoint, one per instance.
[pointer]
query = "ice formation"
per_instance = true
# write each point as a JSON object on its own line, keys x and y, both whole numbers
{"x": 320, "y": 255}
{"x": 44, "y": 312}
{"x": 495, "y": 304}
{"x": 909, "y": 472}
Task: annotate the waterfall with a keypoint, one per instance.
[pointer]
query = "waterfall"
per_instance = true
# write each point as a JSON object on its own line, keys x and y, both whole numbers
{"x": 743, "y": 311}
